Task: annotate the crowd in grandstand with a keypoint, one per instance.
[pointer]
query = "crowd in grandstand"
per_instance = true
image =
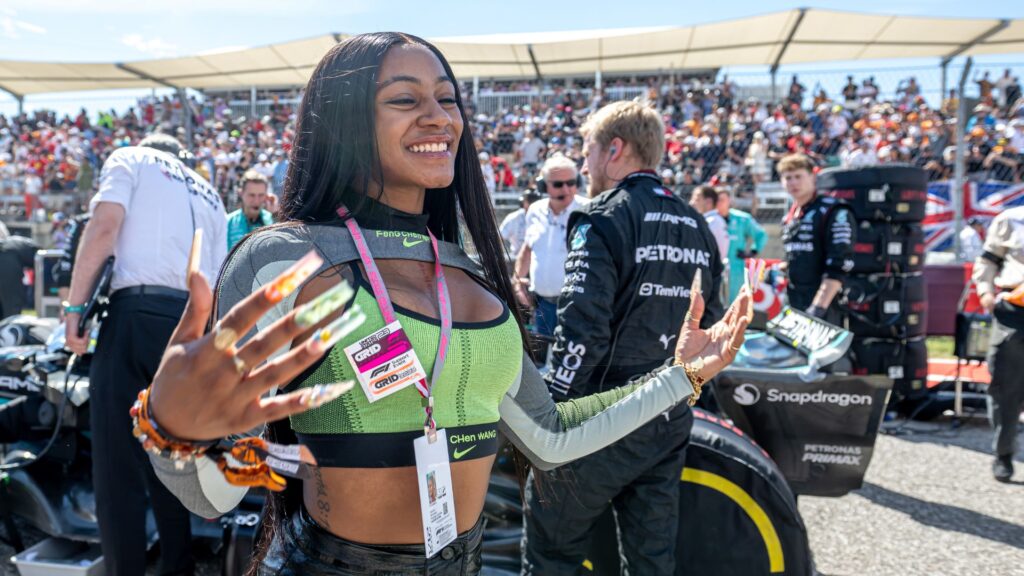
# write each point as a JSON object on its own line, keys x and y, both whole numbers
{"x": 712, "y": 135}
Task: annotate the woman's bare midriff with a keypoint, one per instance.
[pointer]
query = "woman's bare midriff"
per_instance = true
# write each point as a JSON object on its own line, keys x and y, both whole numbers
{"x": 381, "y": 505}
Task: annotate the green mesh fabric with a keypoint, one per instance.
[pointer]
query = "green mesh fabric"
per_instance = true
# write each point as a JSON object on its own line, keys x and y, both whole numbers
{"x": 483, "y": 362}
{"x": 575, "y": 412}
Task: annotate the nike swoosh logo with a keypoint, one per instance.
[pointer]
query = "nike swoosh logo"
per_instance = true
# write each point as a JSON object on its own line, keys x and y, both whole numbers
{"x": 458, "y": 454}
{"x": 406, "y": 242}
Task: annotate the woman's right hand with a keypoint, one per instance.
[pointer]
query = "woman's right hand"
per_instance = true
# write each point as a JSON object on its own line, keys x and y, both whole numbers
{"x": 201, "y": 392}
{"x": 714, "y": 348}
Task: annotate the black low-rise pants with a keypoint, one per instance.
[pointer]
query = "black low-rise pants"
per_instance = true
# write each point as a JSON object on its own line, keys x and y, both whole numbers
{"x": 131, "y": 342}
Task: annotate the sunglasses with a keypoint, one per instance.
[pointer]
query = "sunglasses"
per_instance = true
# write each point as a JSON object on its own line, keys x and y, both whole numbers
{"x": 560, "y": 183}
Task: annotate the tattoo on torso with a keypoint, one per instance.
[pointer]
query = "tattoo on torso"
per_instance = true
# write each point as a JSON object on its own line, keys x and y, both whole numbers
{"x": 323, "y": 505}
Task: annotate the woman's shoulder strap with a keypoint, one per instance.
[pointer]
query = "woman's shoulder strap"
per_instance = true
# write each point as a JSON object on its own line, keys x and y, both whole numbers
{"x": 268, "y": 252}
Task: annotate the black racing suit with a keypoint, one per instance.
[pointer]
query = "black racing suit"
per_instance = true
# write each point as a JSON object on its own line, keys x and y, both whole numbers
{"x": 633, "y": 253}
{"x": 818, "y": 239}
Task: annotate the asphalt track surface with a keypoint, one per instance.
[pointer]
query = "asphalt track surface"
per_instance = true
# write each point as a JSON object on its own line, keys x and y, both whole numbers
{"x": 929, "y": 507}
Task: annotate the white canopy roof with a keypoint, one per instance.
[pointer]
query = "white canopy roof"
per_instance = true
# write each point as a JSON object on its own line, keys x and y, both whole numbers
{"x": 790, "y": 37}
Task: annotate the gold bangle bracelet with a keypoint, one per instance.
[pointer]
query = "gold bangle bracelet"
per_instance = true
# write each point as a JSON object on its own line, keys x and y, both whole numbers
{"x": 693, "y": 375}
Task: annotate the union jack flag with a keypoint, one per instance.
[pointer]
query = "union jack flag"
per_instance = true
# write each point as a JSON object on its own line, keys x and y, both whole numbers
{"x": 983, "y": 200}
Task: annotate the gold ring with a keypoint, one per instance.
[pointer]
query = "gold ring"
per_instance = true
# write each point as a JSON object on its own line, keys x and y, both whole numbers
{"x": 735, "y": 348}
{"x": 240, "y": 366}
{"x": 223, "y": 338}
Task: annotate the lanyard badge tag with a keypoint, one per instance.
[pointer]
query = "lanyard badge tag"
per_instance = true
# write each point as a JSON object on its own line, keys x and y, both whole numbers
{"x": 385, "y": 362}
{"x": 437, "y": 505}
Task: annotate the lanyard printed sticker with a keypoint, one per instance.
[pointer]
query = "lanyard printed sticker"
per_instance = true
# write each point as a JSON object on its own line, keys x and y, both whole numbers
{"x": 385, "y": 362}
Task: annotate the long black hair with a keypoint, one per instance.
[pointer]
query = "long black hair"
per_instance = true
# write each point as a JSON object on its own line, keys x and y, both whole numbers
{"x": 335, "y": 156}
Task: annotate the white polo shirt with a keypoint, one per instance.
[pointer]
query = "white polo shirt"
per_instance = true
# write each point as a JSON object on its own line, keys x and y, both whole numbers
{"x": 160, "y": 196}
{"x": 546, "y": 236}
{"x": 720, "y": 230}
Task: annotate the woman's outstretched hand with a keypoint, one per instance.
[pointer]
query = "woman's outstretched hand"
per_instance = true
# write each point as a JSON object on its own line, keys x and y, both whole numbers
{"x": 208, "y": 388}
{"x": 714, "y": 348}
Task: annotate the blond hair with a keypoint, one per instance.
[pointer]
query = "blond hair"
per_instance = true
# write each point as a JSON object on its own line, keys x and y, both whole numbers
{"x": 795, "y": 162}
{"x": 638, "y": 125}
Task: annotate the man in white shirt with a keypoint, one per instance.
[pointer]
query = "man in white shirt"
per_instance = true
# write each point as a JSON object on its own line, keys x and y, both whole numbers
{"x": 859, "y": 155}
{"x": 263, "y": 166}
{"x": 837, "y": 125}
{"x": 513, "y": 227}
{"x": 540, "y": 267}
{"x": 145, "y": 214}
{"x": 1002, "y": 84}
{"x": 705, "y": 201}
{"x": 971, "y": 243}
{"x": 531, "y": 150}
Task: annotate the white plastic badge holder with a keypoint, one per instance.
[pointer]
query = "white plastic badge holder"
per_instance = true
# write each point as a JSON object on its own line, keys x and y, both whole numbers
{"x": 437, "y": 504}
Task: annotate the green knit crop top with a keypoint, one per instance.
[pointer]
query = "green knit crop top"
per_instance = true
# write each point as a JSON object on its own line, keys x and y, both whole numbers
{"x": 483, "y": 363}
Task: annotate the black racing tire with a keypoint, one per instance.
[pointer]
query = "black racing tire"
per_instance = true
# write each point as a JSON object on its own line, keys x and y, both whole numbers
{"x": 889, "y": 248}
{"x": 886, "y": 305}
{"x": 903, "y": 360}
{"x": 886, "y": 193}
{"x": 737, "y": 514}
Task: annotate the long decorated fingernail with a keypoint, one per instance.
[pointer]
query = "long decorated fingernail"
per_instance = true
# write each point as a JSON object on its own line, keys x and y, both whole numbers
{"x": 311, "y": 313}
{"x": 293, "y": 277}
{"x": 195, "y": 254}
{"x": 323, "y": 393}
{"x": 695, "y": 287}
{"x": 331, "y": 334}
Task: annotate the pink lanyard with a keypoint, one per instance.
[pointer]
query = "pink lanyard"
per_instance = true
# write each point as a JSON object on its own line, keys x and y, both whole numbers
{"x": 380, "y": 292}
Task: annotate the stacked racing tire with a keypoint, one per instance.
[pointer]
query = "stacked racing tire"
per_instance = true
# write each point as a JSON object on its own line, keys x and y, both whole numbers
{"x": 885, "y": 296}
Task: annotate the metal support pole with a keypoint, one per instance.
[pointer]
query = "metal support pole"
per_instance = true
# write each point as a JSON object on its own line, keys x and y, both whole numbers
{"x": 252, "y": 102}
{"x": 775, "y": 95}
{"x": 945, "y": 70}
{"x": 957, "y": 192}
{"x": 186, "y": 109}
{"x": 21, "y": 105}
{"x": 476, "y": 89}
{"x": 597, "y": 80}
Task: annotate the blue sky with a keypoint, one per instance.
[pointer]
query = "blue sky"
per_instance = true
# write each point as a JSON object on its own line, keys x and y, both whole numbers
{"x": 126, "y": 30}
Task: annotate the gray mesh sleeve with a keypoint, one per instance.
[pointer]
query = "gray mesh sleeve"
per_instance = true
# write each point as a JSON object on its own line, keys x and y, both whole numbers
{"x": 199, "y": 485}
{"x": 531, "y": 420}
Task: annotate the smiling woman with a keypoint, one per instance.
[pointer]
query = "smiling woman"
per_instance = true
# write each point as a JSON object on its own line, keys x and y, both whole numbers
{"x": 383, "y": 185}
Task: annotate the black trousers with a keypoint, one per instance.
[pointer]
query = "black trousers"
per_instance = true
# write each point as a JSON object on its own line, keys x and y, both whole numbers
{"x": 1006, "y": 364}
{"x": 305, "y": 548}
{"x": 638, "y": 476}
{"x": 131, "y": 343}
